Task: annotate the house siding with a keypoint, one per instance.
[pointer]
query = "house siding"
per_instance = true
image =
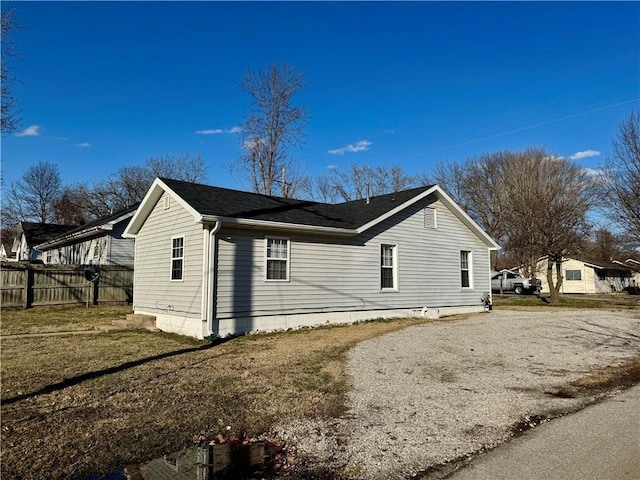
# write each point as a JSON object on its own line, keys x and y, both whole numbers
{"x": 584, "y": 285}
{"x": 176, "y": 304}
{"x": 106, "y": 249}
{"x": 331, "y": 274}
{"x": 590, "y": 282}
{"x": 121, "y": 250}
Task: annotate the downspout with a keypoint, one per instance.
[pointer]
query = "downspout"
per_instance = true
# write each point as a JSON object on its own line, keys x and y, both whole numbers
{"x": 208, "y": 293}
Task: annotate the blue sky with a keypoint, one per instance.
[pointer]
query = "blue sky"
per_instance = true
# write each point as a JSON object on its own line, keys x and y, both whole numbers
{"x": 106, "y": 85}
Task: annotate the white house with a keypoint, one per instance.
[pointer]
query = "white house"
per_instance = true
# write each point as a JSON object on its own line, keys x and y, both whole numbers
{"x": 99, "y": 242}
{"x": 31, "y": 234}
{"x": 582, "y": 275}
{"x": 214, "y": 261}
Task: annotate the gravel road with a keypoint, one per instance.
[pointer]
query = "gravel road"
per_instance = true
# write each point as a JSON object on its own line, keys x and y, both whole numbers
{"x": 446, "y": 390}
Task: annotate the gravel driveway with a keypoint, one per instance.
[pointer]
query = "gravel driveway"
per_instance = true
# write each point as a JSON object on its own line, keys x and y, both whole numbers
{"x": 444, "y": 390}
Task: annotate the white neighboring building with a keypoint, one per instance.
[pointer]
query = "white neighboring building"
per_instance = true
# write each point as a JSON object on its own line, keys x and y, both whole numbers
{"x": 588, "y": 276}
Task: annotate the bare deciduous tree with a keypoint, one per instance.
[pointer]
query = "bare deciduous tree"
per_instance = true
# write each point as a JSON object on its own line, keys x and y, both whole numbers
{"x": 67, "y": 211}
{"x": 130, "y": 184}
{"x": 32, "y": 197}
{"x": 546, "y": 215}
{"x": 274, "y": 125}
{"x": 190, "y": 168}
{"x": 9, "y": 115}
{"x": 477, "y": 185}
{"x": 357, "y": 181}
{"x": 533, "y": 203}
{"x": 621, "y": 184}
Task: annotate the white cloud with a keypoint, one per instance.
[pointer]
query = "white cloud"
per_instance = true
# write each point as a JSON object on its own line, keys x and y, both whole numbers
{"x": 32, "y": 131}
{"x": 252, "y": 143}
{"x": 361, "y": 146}
{"x": 218, "y": 131}
{"x": 584, "y": 154}
{"x": 595, "y": 173}
{"x": 82, "y": 145}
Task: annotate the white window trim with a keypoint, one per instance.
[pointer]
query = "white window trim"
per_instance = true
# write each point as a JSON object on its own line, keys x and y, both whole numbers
{"x": 469, "y": 268}
{"x": 396, "y": 284}
{"x": 266, "y": 259}
{"x": 172, "y": 258}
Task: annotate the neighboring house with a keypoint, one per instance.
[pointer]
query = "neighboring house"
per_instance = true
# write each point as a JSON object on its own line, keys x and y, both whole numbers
{"x": 99, "y": 242}
{"x": 582, "y": 275}
{"x": 634, "y": 265}
{"x": 30, "y": 234}
{"x": 213, "y": 261}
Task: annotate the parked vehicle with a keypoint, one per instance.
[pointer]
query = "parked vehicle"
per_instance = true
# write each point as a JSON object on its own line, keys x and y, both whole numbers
{"x": 511, "y": 282}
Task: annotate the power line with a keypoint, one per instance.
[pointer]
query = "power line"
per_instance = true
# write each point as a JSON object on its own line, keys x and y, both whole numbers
{"x": 529, "y": 127}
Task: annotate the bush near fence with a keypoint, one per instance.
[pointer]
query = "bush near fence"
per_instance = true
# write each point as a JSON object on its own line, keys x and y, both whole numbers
{"x": 28, "y": 285}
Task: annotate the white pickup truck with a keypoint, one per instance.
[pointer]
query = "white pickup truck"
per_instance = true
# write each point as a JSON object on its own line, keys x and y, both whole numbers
{"x": 510, "y": 282}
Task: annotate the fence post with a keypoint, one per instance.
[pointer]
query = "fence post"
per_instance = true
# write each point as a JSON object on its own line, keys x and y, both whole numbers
{"x": 96, "y": 291}
{"x": 28, "y": 287}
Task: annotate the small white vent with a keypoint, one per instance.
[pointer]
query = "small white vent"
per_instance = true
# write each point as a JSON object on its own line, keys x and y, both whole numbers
{"x": 167, "y": 202}
{"x": 430, "y": 218}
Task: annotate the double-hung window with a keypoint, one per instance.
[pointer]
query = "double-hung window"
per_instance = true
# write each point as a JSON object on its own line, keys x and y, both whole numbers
{"x": 388, "y": 267}
{"x": 277, "y": 259}
{"x": 573, "y": 274}
{"x": 465, "y": 268}
{"x": 177, "y": 258}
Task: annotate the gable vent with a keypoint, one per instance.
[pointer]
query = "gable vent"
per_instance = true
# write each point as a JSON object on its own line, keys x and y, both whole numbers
{"x": 167, "y": 202}
{"x": 430, "y": 217}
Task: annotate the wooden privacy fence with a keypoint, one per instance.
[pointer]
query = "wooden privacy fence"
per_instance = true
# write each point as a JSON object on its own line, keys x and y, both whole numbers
{"x": 35, "y": 285}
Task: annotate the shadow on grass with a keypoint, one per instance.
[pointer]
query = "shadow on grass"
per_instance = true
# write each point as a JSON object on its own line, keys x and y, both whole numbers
{"x": 69, "y": 382}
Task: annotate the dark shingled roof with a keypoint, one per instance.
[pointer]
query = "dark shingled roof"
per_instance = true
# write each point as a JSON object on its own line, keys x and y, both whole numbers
{"x": 37, "y": 233}
{"x": 223, "y": 202}
{"x": 604, "y": 263}
{"x": 102, "y": 220}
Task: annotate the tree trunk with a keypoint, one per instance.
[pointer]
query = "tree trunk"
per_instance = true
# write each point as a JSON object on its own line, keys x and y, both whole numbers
{"x": 554, "y": 289}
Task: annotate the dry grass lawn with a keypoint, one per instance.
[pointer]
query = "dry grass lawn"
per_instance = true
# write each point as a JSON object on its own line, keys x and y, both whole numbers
{"x": 59, "y": 319}
{"x": 73, "y": 405}
{"x": 567, "y": 301}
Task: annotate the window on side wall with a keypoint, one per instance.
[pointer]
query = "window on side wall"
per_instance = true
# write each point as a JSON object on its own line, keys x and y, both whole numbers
{"x": 573, "y": 275}
{"x": 277, "y": 259}
{"x": 388, "y": 267}
{"x": 465, "y": 269}
{"x": 177, "y": 258}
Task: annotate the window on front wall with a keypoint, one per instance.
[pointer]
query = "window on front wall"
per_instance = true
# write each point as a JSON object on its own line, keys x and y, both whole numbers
{"x": 573, "y": 275}
{"x": 465, "y": 268}
{"x": 388, "y": 267}
{"x": 277, "y": 259}
{"x": 177, "y": 258}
